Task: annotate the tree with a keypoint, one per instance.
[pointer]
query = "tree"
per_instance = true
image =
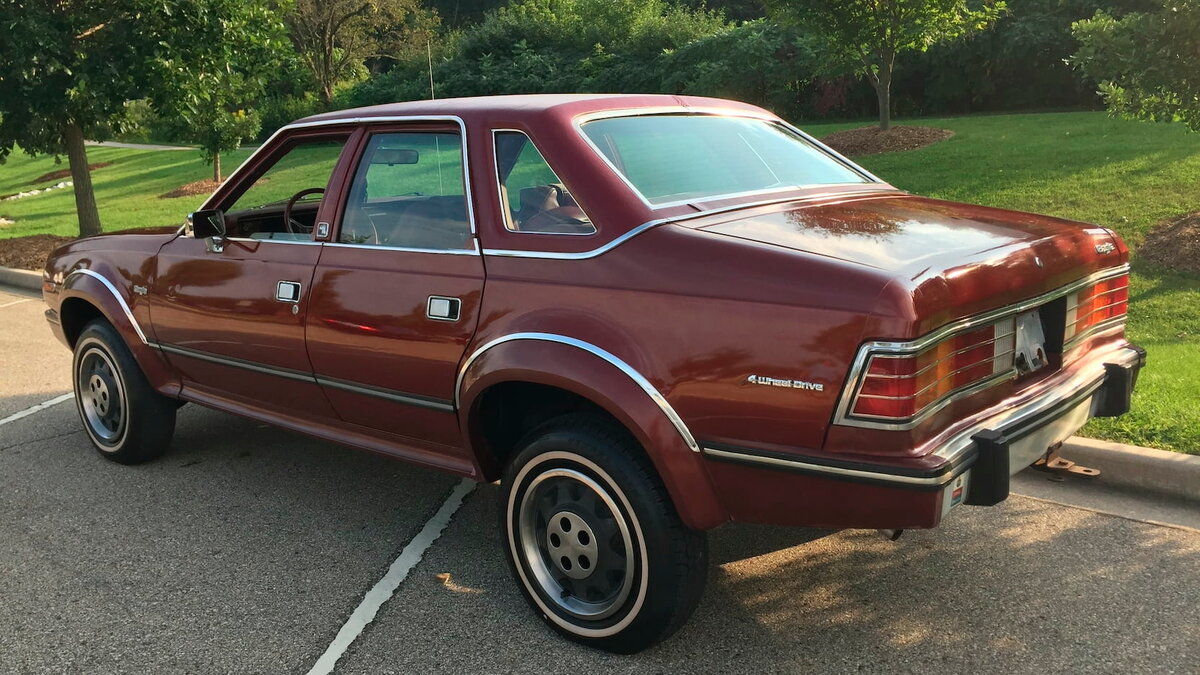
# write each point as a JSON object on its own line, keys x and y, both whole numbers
{"x": 212, "y": 103}
{"x": 1147, "y": 63}
{"x": 68, "y": 67}
{"x": 335, "y": 37}
{"x": 870, "y": 34}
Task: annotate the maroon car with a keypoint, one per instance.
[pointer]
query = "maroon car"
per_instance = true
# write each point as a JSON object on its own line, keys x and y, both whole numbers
{"x": 646, "y": 315}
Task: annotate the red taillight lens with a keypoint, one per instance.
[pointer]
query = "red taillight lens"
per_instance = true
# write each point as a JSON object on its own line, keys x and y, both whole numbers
{"x": 1096, "y": 304}
{"x": 901, "y": 387}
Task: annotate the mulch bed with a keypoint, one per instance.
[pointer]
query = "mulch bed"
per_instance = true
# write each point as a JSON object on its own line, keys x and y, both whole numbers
{"x": 1174, "y": 244}
{"x": 872, "y": 141}
{"x": 200, "y": 187}
{"x": 65, "y": 173}
{"x": 29, "y": 253}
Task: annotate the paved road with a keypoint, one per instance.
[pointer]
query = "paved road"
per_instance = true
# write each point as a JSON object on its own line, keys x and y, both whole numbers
{"x": 246, "y": 548}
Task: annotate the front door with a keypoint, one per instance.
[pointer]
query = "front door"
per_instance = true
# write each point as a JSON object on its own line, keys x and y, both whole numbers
{"x": 230, "y": 316}
{"x": 396, "y": 296}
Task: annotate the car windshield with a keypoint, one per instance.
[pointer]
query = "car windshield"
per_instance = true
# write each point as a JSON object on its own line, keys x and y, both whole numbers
{"x": 684, "y": 158}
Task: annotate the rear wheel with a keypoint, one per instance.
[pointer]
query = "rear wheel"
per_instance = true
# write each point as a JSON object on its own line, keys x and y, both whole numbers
{"x": 124, "y": 417}
{"x": 594, "y": 540}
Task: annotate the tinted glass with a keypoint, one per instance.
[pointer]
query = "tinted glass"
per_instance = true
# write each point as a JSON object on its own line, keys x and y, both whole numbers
{"x": 408, "y": 192}
{"x": 671, "y": 158}
{"x": 534, "y": 199}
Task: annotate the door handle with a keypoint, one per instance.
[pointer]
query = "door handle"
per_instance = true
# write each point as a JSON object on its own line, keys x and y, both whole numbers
{"x": 287, "y": 291}
{"x": 442, "y": 308}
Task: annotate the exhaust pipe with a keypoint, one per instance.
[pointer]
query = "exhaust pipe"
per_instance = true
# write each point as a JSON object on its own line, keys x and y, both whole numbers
{"x": 891, "y": 535}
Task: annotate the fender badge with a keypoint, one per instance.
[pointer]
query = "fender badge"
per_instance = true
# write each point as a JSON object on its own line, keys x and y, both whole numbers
{"x": 1106, "y": 247}
{"x": 1038, "y": 261}
{"x": 786, "y": 384}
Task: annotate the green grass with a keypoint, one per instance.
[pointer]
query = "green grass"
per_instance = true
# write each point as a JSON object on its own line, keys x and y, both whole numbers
{"x": 1084, "y": 166}
{"x": 1087, "y": 166}
{"x": 126, "y": 192}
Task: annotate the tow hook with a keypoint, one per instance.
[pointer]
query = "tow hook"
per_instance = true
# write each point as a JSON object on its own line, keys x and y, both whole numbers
{"x": 1058, "y": 466}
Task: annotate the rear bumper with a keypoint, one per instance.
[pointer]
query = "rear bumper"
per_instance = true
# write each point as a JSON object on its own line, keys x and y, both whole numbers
{"x": 974, "y": 467}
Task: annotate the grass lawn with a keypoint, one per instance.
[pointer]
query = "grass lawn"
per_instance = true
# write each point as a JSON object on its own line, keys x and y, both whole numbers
{"x": 1085, "y": 166}
{"x": 126, "y": 192}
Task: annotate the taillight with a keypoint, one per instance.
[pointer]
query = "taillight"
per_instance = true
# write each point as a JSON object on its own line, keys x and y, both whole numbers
{"x": 902, "y": 386}
{"x": 1096, "y": 304}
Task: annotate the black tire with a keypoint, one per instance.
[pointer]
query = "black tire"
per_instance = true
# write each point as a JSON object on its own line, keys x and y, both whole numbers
{"x": 124, "y": 417}
{"x": 638, "y": 578}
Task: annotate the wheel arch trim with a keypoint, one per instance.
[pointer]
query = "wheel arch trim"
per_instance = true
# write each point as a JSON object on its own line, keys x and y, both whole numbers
{"x": 133, "y": 322}
{"x": 638, "y": 379}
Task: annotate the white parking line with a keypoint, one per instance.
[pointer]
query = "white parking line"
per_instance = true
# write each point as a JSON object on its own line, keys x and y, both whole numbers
{"x": 37, "y": 408}
{"x": 385, "y": 587}
{"x": 15, "y": 302}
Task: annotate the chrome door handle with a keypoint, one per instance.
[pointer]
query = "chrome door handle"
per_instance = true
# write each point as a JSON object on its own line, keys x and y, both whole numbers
{"x": 287, "y": 291}
{"x": 442, "y": 308}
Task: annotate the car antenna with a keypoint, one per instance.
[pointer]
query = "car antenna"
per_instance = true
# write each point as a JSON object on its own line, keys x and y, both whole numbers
{"x": 429, "y": 56}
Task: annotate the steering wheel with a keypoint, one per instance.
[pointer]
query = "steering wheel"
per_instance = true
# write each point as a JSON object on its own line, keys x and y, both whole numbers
{"x": 293, "y": 226}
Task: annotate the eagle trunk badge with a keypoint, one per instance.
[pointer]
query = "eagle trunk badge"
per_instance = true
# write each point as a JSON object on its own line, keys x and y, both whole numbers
{"x": 786, "y": 384}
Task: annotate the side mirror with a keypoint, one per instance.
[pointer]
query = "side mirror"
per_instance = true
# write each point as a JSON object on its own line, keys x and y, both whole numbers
{"x": 206, "y": 224}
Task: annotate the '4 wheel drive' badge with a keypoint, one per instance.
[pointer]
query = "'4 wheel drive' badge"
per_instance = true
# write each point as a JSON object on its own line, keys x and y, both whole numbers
{"x": 786, "y": 384}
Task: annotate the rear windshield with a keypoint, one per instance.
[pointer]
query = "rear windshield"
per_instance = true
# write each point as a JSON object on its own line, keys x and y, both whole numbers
{"x": 681, "y": 158}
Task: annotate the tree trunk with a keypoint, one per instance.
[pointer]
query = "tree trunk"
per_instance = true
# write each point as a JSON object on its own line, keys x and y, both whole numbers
{"x": 81, "y": 176}
{"x": 217, "y": 167}
{"x": 883, "y": 89}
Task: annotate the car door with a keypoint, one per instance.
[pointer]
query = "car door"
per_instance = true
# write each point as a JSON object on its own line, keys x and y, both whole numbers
{"x": 229, "y": 314}
{"x": 396, "y": 294}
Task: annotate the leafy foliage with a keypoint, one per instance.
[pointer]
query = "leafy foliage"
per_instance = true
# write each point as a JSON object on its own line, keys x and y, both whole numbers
{"x": 211, "y": 101}
{"x": 1148, "y": 63}
{"x": 335, "y": 38}
{"x": 871, "y": 33}
{"x": 68, "y": 67}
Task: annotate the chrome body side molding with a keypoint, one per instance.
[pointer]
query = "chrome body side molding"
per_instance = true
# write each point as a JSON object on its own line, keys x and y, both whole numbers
{"x": 137, "y": 328}
{"x": 629, "y": 371}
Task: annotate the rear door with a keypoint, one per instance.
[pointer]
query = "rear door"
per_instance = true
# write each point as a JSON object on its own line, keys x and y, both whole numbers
{"x": 396, "y": 293}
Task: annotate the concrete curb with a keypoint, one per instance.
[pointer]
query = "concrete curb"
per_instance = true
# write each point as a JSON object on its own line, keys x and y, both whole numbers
{"x": 1168, "y": 473}
{"x": 21, "y": 278}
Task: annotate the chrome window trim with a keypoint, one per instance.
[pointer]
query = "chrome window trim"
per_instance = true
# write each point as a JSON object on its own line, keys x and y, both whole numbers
{"x": 293, "y": 242}
{"x": 367, "y": 121}
{"x": 842, "y": 415}
{"x": 137, "y": 328}
{"x": 474, "y": 250}
{"x": 625, "y": 368}
{"x": 584, "y": 118}
{"x": 506, "y": 210}
{"x": 582, "y": 255}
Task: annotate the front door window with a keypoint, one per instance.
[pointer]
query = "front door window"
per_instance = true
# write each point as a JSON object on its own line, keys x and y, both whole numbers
{"x": 408, "y": 192}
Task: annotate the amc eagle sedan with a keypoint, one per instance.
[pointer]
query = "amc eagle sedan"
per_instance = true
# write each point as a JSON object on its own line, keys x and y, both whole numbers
{"x": 646, "y": 316}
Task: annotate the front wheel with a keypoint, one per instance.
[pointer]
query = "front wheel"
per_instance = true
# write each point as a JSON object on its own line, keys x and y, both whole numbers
{"x": 594, "y": 540}
{"x": 124, "y": 417}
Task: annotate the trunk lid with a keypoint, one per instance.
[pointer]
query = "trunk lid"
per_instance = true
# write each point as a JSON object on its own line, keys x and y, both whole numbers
{"x": 952, "y": 260}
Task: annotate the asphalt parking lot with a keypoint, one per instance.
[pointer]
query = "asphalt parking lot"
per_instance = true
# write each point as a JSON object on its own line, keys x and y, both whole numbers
{"x": 246, "y": 549}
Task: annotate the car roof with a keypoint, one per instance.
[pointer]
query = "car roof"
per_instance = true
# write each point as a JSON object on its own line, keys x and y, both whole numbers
{"x": 526, "y": 107}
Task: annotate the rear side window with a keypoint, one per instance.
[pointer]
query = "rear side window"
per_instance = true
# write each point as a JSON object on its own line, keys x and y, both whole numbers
{"x": 532, "y": 198}
{"x": 409, "y": 192}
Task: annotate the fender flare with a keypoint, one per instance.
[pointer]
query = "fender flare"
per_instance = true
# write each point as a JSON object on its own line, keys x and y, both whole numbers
{"x": 609, "y": 382}
{"x": 97, "y": 290}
